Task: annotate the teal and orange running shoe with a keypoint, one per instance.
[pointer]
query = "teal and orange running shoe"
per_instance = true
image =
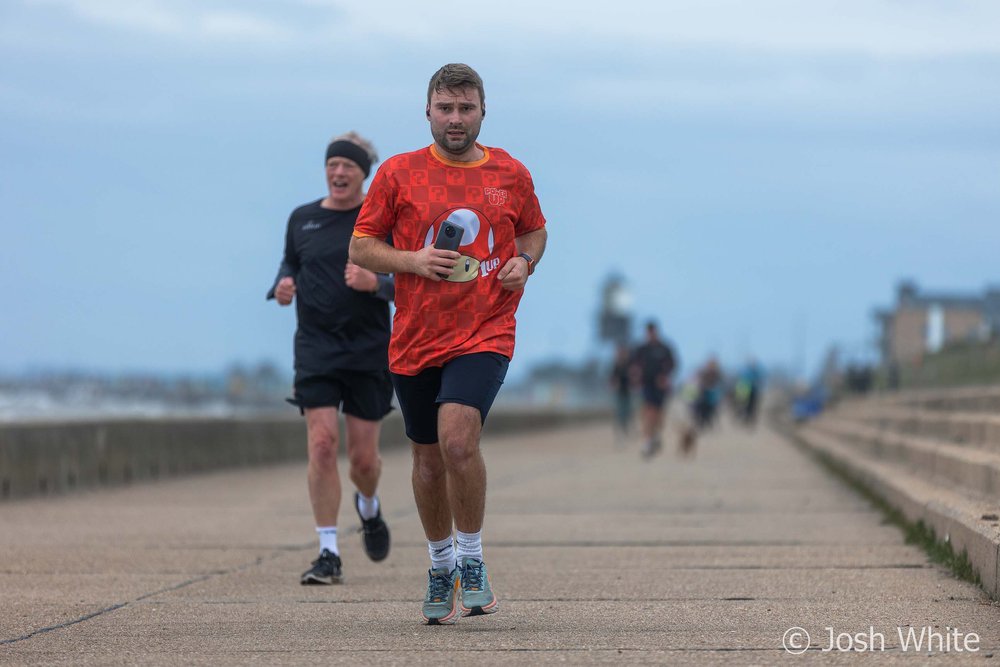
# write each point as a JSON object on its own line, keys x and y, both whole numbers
{"x": 441, "y": 603}
{"x": 477, "y": 594}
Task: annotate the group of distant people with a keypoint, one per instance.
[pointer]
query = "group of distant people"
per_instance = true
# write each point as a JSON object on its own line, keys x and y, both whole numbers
{"x": 347, "y": 255}
{"x": 649, "y": 368}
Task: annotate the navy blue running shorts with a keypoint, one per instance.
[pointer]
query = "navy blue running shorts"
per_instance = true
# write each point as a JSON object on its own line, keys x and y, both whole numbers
{"x": 472, "y": 379}
{"x": 362, "y": 394}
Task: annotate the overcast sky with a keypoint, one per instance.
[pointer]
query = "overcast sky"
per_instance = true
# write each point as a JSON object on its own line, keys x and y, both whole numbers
{"x": 762, "y": 173}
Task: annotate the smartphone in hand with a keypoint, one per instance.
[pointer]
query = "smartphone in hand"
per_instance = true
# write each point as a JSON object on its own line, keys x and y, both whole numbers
{"x": 449, "y": 237}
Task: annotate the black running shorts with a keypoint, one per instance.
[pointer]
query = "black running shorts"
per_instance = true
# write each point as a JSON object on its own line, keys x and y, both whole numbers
{"x": 654, "y": 396}
{"x": 363, "y": 394}
{"x": 472, "y": 379}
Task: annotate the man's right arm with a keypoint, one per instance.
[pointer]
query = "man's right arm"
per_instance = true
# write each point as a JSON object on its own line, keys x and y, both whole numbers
{"x": 376, "y": 255}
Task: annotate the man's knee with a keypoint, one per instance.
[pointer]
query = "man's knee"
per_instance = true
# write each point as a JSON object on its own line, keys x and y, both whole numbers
{"x": 323, "y": 449}
{"x": 427, "y": 464}
{"x": 459, "y": 423}
{"x": 364, "y": 462}
{"x": 458, "y": 445}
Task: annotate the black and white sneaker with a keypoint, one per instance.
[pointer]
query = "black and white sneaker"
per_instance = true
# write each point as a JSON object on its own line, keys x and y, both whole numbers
{"x": 376, "y": 534}
{"x": 324, "y": 570}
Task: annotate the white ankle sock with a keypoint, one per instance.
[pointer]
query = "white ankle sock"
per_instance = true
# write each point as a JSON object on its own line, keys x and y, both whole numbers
{"x": 327, "y": 539}
{"x": 442, "y": 554}
{"x": 367, "y": 507}
{"x": 469, "y": 544}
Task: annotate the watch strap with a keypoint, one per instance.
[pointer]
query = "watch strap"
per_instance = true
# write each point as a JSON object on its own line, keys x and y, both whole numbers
{"x": 530, "y": 260}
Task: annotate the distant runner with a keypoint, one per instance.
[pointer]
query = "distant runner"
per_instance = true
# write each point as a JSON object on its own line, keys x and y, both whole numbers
{"x": 654, "y": 363}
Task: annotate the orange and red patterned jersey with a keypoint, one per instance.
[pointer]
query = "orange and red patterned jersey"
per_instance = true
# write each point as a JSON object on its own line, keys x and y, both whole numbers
{"x": 493, "y": 200}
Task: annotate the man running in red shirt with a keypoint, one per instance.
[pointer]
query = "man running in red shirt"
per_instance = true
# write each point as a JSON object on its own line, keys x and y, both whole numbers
{"x": 453, "y": 331}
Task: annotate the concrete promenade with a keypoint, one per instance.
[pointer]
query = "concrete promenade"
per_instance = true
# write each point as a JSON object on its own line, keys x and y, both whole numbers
{"x": 597, "y": 557}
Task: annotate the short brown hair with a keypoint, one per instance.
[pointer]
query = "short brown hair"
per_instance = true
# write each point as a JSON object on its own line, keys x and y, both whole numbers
{"x": 456, "y": 76}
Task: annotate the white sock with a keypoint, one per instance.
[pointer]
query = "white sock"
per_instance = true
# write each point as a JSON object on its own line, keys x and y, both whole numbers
{"x": 469, "y": 544}
{"x": 367, "y": 507}
{"x": 442, "y": 554}
{"x": 328, "y": 539}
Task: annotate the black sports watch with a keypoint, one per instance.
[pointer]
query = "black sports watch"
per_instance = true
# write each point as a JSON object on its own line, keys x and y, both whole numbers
{"x": 530, "y": 260}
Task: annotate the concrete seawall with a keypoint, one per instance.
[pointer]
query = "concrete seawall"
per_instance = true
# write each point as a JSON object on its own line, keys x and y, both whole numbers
{"x": 932, "y": 455}
{"x": 56, "y": 458}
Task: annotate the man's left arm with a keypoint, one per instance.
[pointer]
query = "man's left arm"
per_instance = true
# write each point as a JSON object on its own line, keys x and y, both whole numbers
{"x": 380, "y": 285}
{"x": 515, "y": 272}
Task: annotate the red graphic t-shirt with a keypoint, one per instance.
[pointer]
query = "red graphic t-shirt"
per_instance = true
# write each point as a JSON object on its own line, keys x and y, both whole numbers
{"x": 493, "y": 201}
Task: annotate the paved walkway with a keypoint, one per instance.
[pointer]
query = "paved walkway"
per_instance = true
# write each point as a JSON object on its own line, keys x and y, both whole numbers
{"x": 597, "y": 556}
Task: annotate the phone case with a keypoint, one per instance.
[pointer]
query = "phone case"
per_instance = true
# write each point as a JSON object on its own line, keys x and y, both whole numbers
{"x": 446, "y": 240}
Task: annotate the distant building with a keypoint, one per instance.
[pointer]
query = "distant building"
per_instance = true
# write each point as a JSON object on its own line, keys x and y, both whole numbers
{"x": 923, "y": 322}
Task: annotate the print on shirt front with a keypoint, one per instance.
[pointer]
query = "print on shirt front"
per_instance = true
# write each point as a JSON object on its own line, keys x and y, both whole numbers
{"x": 476, "y": 246}
{"x": 494, "y": 202}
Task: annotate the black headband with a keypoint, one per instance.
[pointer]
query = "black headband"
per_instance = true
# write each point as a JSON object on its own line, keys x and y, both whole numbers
{"x": 351, "y": 151}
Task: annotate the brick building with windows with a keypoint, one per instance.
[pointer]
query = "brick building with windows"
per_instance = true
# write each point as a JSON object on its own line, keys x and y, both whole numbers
{"x": 923, "y": 322}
